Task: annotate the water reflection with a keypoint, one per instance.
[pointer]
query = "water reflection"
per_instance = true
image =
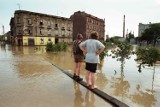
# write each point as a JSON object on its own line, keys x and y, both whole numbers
{"x": 122, "y": 81}
{"x": 78, "y": 100}
{"x": 101, "y": 81}
{"x": 121, "y": 86}
{"x": 143, "y": 98}
{"x": 3, "y": 48}
{"x": 89, "y": 99}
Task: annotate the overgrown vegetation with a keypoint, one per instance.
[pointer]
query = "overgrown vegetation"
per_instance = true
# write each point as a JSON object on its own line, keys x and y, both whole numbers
{"x": 147, "y": 55}
{"x": 56, "y": 47}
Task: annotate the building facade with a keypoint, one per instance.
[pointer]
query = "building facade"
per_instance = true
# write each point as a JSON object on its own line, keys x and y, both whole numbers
{"x": 141, "y": 28}
{"x": 31, "y": 28}
{"x": 85, "y": 23}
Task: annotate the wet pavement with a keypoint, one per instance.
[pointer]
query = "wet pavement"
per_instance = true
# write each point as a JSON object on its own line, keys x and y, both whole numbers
{"x": 28, "y": 79}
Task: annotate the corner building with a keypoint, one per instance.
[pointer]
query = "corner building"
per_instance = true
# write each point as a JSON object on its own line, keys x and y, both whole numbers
{"x": 31, "y": 28}
{"x": 85, "y": 23}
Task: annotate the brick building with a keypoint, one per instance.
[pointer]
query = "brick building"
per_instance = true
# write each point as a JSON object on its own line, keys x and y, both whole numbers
{"x": 31, "y": 28}
{"x": 85, "y": 23}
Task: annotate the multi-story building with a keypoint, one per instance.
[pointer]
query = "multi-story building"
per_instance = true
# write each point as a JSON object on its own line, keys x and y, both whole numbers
{"x": 142, "y": 27}
{"x": 85, "y": 23}
{"x": 31, "y": 28}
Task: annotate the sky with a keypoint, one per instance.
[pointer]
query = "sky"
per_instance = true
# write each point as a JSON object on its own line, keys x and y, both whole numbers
{"x": 135, "y": 11}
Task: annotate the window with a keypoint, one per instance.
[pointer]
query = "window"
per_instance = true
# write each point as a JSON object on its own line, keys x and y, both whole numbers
{"x": 63, "y": 28}
{"x": 18, "y": 20}
{"x": 29, "y": 21}
{"x": 29, "y": 31}
{"x": 69, "y": 27}
{"x": 49, "y": 23}
{"x": 56, "y": 26}
{"x": 40, "y": 32}
{"x": 41, "y": 22}
{"x": 41, "y": 41}
{"x": 56, "y": 32}
{"x": 63, "y": 33}
{"x": 49, "y": 32}
{"x": 19, "y": 31}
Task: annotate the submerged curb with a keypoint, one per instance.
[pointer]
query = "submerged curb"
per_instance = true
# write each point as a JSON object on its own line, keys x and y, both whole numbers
{"x": 98, "y": 92}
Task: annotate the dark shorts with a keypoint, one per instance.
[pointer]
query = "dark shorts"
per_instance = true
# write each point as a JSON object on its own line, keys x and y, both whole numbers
{"x": 92, "y": 67}
{"x": 78, "y": 58}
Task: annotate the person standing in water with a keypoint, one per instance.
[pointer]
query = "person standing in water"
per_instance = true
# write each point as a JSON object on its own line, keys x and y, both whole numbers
{"x": 78, "y": 57}
{"x": 92, "y": 48}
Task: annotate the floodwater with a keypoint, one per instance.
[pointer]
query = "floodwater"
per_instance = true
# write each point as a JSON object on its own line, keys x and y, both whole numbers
{"x": 28, "y": 79}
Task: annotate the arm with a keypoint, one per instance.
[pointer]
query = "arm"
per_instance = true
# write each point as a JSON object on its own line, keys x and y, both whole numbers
{"x": 101, "y": 48}
{"x": 99, "y": 51}
{"x": 82, "y": 47}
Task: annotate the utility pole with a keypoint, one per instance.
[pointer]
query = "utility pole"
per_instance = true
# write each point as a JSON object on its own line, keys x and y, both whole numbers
{"x": 124, "y": 27}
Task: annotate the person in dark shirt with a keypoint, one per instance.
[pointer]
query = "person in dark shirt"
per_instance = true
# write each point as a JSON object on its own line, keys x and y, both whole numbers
{"x": 78, "y": 57}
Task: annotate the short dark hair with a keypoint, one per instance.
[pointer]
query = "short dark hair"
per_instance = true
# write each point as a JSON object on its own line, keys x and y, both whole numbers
{"x": 79, "y": 36}
{"x": 94, "y": 35}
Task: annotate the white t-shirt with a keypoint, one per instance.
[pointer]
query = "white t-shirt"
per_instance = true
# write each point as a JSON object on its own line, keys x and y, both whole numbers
{"x": 91, "y": 46}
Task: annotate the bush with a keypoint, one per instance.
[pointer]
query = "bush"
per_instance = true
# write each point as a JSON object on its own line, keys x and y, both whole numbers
{"x": 147, "y": 55}
{"x": 49, "y": 46}
{"x": 56, "y": 47}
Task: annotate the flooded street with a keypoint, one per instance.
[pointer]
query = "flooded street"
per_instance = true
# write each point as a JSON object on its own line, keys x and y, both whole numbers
{"x": 28, "y": 79}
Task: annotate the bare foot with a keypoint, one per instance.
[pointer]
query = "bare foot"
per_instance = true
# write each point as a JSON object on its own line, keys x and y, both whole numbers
{"x": 93, "y": 87}
{"x": 88, "y": 85}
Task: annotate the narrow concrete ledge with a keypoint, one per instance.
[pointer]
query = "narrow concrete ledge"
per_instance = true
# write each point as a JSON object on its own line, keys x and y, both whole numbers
{"x": 98, "y": 92}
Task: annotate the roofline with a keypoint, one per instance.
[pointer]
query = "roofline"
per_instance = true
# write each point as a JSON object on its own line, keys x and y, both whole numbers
{"x": 42, "y": 14}
{"x": 89, "y": 15}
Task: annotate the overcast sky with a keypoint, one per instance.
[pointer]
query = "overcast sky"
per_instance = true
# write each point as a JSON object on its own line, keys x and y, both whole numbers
{"x": 136, "y": 11}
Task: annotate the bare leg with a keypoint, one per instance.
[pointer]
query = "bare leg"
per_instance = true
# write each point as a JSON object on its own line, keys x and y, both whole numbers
{"x": 88, "y": 77}
{"x": 75, "y": 69}
{"x": 79, "y": 68}
{"x": 93, "y": 78}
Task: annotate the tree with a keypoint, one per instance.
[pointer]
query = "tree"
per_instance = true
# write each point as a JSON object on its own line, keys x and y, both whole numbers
{"x": 151, "y": 34}
{"x": 130, "y": 36}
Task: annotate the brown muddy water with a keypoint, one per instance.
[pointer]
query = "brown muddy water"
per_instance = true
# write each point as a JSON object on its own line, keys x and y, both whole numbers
{"x": 28, "y": 79}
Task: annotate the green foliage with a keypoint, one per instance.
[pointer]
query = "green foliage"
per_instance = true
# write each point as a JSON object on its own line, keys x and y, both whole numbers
{"x": 151, "y": 34}
{"x": 114, "y": 39}
{"x": 104, "y": 53}
{"x": 56, "y": 47}
{"x": 49, "y": 46}
{"x": 123, "y": 51}
{"x": 147, "y": 55}
{"x": 130, "y": 36}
